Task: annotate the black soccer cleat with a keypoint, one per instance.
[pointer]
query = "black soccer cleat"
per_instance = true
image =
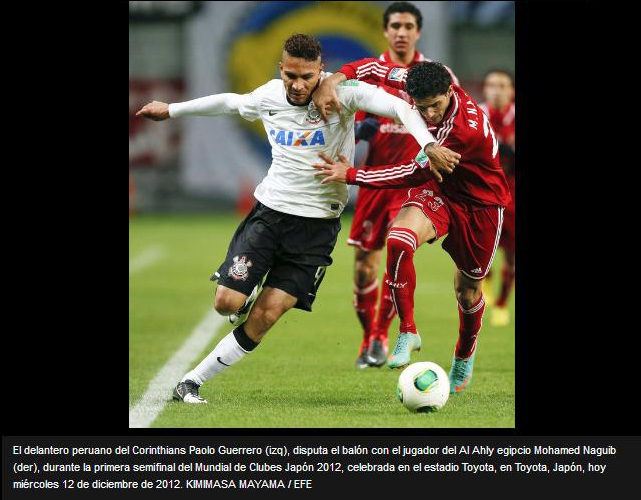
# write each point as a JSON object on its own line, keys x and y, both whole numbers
{"x": 187, "y": 392}
{"x": 362, "y": 361}
{"x": 377, "y": 353}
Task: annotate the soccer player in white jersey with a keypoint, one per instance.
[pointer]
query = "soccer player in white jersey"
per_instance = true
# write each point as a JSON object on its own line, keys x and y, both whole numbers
{"x": 278, "y": 255}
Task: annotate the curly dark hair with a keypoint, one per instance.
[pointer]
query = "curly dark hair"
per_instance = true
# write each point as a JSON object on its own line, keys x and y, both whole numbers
{"x": 400, "y": 7}
{"x": 303, "y": 46}
{"x": 427, "y": 79}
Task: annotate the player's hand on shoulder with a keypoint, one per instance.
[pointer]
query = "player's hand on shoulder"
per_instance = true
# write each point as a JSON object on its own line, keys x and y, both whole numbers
{"x": 442, "y": 159}
{"x": 325, "y": 97}
{"x": 333, "y": 171}
{"x": 155, "y": 110}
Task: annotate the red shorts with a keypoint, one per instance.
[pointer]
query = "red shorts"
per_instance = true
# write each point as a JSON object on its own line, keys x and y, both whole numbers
{"x": 375, "y": 211}
{"x": 473, "y": 232}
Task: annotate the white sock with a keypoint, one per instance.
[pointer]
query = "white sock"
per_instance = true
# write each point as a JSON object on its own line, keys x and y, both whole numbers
{"x": 229, "y": 353}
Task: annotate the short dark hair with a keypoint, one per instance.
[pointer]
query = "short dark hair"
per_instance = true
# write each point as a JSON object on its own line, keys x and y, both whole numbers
{"x": 303, "y": 46}
{"x": 403, "y": 7}
{"x": 501, "y": 71}
{"x": 427, "y": 79}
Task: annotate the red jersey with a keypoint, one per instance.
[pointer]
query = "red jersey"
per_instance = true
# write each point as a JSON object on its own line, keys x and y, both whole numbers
{"x": 392, "y": 143}
{"x": 418, "y": 57}
{"x": 478, "y": 178}
{"x": 503, "y": 122}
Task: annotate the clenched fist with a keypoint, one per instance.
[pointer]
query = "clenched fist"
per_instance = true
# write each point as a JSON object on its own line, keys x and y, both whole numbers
{"x": 155, "y": 110}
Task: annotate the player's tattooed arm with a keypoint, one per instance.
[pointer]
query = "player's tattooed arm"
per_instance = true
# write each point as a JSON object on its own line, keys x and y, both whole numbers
{"x": 325, "y": 97}
{"x": 155, "y": 110}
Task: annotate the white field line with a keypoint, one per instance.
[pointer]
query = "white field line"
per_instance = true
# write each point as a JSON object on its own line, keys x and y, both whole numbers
{"x": 146, "y": 258}
{"x": 160, "y": 388}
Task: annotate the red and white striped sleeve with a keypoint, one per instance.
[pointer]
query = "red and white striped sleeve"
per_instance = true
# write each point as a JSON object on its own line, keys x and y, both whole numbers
{"x": 398, "y": 175}
{"x": 376, "y": 72}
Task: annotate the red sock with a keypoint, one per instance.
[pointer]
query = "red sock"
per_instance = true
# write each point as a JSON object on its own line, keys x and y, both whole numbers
{"x": 386, "y": 311}
{"x": 470, "y": 321}
{"x": 507, "y": 278}
{"x": 365, "y": 305}
{"x": 401, "y": 276}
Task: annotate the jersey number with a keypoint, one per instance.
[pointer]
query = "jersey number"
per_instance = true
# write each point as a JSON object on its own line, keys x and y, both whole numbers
{"x": 487, "y": 127}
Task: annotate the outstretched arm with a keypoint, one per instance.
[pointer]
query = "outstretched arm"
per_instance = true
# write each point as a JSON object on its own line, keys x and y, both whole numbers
{"x": 367, "y": 70}
{"x": 399, "y": 175}
{"x": 155, "y": 110}
{"x": 212, "y": 105}
{"x": 377, "y": 101}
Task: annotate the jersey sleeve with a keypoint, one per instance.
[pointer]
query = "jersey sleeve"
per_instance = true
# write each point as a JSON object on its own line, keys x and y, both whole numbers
{"x": 398, "y": 175}
{"x": 376, "y": 72}
{"x": 245, "y": 105}
{"x": 355, "y": 96}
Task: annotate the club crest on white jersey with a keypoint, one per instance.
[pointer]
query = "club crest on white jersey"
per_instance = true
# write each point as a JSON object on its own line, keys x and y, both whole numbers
{"x": 313, "y": 115}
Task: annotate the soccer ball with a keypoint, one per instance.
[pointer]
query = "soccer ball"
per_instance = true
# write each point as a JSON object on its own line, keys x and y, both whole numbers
{"x": 423, "y": 387}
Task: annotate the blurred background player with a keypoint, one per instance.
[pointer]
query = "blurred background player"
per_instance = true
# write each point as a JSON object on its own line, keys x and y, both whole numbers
{"x": 498, "y": 95}
{"x": 381, "y": 142}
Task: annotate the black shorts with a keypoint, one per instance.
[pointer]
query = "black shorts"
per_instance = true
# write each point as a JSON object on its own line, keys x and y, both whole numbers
{"x": 294, "y": 250}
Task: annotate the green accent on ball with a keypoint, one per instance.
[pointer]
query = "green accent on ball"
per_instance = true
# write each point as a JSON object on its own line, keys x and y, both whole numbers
{"x": 424, "y": 381}
{"x": 427, "y": 409}
{"x": 349, "y": 83}
{"x": 399, "y": 393}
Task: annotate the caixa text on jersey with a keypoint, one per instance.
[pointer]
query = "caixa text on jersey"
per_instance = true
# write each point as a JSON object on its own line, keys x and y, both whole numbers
{"x": 305, "y": 138}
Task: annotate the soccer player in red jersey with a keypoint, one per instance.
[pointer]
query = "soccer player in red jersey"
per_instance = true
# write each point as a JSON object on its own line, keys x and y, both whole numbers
{"x": 388, "y": 142}
{"x": 467, "y": 205}
{"x": 498, "y": 92}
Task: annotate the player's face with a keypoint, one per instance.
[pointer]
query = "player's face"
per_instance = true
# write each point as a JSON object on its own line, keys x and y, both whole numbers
{"x": 497, "y": 90}
{"x": 402, "y": 32}
{"x": 434, "y": 108}
{"x": 300, "y": 77}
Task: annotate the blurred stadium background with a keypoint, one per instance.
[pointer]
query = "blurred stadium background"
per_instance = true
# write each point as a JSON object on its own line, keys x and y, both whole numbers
{"x": 183, "y": 50}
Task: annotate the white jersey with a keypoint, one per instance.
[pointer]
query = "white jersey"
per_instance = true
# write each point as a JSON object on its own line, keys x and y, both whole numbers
{"x": 297, "y": 135}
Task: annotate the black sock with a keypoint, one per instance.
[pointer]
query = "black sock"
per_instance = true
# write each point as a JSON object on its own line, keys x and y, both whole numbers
{"x": 243, "y": 340}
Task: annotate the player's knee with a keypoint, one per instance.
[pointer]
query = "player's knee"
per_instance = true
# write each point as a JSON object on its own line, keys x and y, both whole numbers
{"x": 364, "y": 272}
{"x": 223, "y": 306}
{"x": 226, "y": 303}
{"x": 467, "y": 296}
{"x": 366, "y": 264}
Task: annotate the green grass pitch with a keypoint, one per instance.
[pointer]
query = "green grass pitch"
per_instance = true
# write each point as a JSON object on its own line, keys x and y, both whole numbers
{"x": 302, "y": 374}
